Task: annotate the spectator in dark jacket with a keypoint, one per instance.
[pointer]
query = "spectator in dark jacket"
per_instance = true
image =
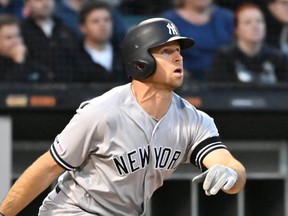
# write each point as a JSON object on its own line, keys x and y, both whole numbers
{"x": 250, "y": 60}
{"x": 14, "y": 64}
{"x": 98, "y": 60}
{"x": 49, "y": 41}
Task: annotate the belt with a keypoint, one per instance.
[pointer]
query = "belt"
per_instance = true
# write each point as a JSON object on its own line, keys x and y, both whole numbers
{"x": 57, "y": 189}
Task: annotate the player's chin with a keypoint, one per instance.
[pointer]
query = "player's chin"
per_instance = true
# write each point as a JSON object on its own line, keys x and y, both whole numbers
{"x": 177, "y": 84}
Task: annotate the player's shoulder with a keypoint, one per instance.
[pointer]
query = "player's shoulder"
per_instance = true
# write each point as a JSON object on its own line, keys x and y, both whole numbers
{"x": 185, "y": 107}
{"x": 107, "y": 101}
{"x": 113, "y": 96}
{"x": 182, "y": 103}
{"x": 116, "y": 93}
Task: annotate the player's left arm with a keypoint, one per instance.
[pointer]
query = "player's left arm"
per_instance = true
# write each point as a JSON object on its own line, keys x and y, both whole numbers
{"x": 224, "y": 157}
{"x": 224, "y": 172}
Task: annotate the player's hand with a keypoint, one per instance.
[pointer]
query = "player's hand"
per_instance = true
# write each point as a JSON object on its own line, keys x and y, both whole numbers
{"x": 217, "y": 177}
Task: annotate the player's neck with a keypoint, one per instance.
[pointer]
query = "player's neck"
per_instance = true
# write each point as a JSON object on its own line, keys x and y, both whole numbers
{"x": 155, "y": 101}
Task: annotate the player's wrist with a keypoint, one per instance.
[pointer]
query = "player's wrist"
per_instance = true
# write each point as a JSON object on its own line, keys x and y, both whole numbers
{"x": 1, "y": 214}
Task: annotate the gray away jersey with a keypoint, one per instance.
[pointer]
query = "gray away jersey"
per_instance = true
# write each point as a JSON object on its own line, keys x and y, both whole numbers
{"x": 116, "y": 155}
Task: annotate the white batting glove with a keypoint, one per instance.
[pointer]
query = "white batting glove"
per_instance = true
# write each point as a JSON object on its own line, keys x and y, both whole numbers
{"x": 217, "y": 177}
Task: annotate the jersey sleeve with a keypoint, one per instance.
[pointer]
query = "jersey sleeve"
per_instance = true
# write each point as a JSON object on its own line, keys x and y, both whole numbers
{"x": 205, "y": 139}
{"x": 73, "y": 145}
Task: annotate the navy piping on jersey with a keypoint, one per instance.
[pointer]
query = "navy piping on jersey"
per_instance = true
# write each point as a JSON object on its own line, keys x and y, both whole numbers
{"x": 59, "y": 160}
{"x": 203, "y": 149}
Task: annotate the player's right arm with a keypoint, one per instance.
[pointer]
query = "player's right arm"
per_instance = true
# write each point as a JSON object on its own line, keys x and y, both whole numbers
{"x": 30, "y": 184}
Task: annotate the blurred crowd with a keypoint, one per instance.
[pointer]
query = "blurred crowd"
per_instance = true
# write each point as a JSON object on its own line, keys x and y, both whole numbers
{"x": 79, "y": 41}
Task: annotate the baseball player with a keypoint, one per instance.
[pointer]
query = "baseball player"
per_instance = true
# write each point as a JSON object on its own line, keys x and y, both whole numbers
{"x": 121, "y": 146}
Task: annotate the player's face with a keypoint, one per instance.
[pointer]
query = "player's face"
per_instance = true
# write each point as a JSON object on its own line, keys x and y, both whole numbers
{"x": 9, "y": 37}
{"x": 40, "y": 8}
{"x": 251, "y": 26}
{"x": 98, "y": 26}
{"x": 169, "y": 66}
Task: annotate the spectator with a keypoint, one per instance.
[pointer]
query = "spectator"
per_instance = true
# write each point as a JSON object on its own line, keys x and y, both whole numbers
{"x": 250, "y": 60}
{"x": 49, "y": 42}
{"x": 15, "y": 66}
{"x": 277, "y": 24}
{"x": 67, "y": 11}
{"x": 102, "y": 61}
{"x": 210, "y": 25}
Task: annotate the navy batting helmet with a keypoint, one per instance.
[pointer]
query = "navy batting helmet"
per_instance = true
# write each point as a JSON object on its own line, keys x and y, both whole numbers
{"x": 150, "y": 33}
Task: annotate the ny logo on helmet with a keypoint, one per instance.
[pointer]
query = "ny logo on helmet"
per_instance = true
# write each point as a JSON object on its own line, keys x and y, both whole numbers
{"x": 172, "y": 29}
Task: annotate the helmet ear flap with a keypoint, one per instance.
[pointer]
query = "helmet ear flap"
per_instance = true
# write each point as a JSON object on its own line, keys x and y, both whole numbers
{"x": 142, "y": 69}
{"x": 140, "y": 65}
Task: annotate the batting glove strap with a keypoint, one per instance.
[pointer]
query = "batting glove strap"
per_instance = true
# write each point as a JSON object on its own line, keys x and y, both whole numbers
{"x": 217, "y": 177}
{"x": 1, "y": 214}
